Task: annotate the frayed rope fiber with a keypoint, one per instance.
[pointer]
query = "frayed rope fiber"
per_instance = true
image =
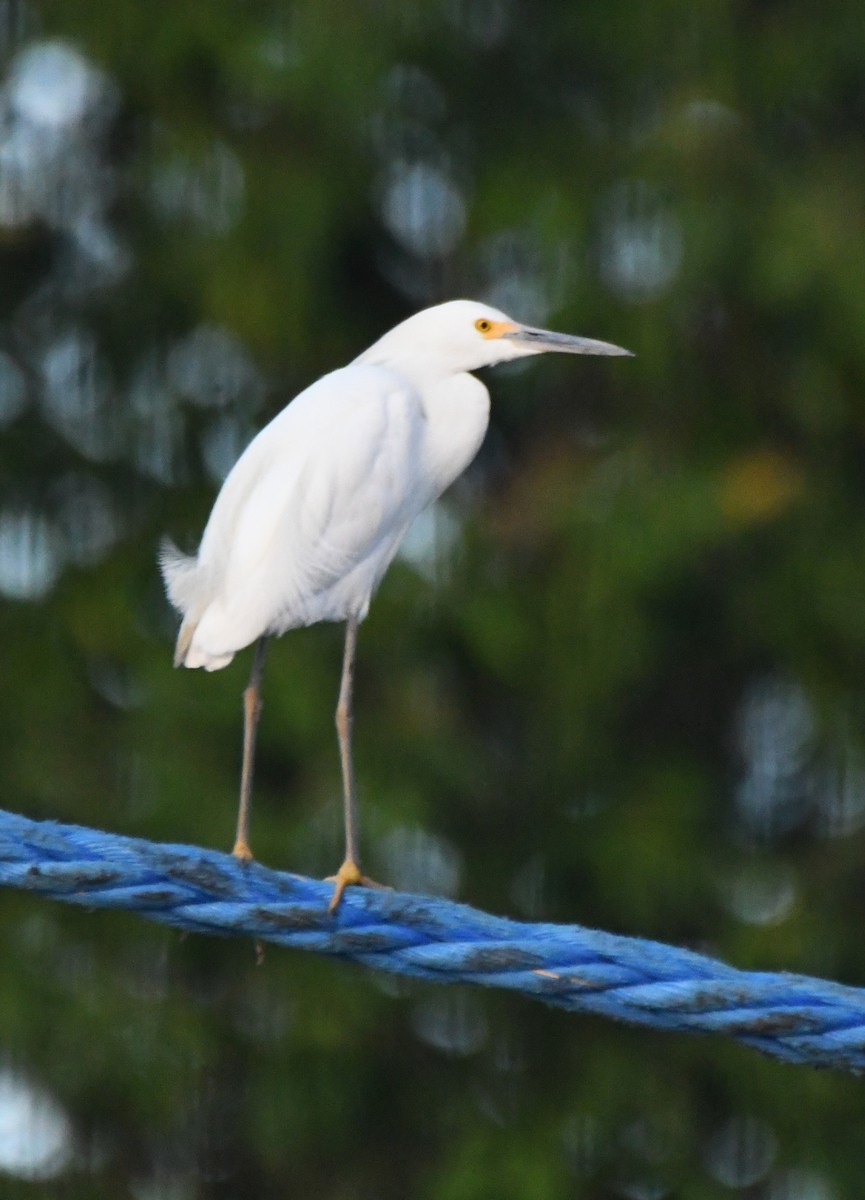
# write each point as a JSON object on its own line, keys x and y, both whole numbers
{"x": 792, "y": 1017}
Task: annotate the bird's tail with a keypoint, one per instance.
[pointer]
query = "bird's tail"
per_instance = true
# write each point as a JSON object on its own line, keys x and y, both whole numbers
{"x": 186, "y": 589}
{"x": 180, "y": 575}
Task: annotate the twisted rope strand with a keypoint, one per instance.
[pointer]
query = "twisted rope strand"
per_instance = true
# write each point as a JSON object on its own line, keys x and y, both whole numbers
{"x": 792, "y": 1017}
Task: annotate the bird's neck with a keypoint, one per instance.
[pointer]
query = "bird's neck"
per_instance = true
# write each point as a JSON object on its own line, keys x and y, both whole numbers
{"x": 420, "y": 370}
{"x": 457, "y": 411}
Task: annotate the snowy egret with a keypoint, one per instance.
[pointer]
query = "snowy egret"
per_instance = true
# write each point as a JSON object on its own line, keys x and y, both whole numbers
{"x": 314, "y": 510}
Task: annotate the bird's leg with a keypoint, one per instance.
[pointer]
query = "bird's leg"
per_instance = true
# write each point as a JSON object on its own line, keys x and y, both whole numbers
{"x": 251, "y": 710}
{"x": 349, "y": 872}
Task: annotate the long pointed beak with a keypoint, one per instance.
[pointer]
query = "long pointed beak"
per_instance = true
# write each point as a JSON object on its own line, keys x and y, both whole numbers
{"x": 542, "y": 341}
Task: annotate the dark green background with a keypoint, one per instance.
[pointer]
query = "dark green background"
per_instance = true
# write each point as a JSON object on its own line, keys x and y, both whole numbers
{"x": 617, "y": 680}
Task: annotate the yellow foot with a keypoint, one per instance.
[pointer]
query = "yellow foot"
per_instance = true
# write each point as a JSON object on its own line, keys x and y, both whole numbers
{"x": 349, "y": 875}
{"x": 242, "y": 851}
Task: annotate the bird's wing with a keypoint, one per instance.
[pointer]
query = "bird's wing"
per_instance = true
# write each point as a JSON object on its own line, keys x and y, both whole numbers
{"x": 330, "y": 484}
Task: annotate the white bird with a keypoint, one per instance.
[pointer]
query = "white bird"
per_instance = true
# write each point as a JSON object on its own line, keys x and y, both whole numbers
{"x": 314, "y": 510}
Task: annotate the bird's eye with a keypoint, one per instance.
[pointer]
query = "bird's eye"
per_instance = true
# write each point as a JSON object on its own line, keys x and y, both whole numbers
{"x": 482, "y": 325}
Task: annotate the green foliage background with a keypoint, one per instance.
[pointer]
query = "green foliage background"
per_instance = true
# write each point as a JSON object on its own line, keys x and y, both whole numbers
{"x": 618, "y": 677}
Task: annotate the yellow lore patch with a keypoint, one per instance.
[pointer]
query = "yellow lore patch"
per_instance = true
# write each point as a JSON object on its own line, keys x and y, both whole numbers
{"x": 495, "y": 329}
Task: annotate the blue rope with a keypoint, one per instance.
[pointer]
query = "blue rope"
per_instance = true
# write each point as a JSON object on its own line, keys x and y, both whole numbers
{"x": 792, "y": 1017}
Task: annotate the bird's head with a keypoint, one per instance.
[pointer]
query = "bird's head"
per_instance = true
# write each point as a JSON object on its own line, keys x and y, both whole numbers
{"x": 463, "y": 335}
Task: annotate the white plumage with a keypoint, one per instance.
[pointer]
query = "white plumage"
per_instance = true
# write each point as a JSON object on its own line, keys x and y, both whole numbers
{"x": 313, "y": 512}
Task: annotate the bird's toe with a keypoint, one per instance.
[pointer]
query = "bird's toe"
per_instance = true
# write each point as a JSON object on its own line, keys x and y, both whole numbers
{"x": 349, "y": 875}
{"x": 242, "y": 851}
